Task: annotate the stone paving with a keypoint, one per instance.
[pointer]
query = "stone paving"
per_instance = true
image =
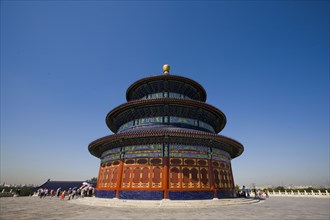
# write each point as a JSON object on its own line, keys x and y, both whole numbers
{"x": 224, "y": 209}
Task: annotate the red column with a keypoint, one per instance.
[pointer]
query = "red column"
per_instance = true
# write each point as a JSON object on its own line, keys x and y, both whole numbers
{"x": 232, "y": 179}
{"x": 211, "y": 178}
{"x": 119, "y": 177}
{"x": 99, "y": 178}
{"x": 165, "y": 177}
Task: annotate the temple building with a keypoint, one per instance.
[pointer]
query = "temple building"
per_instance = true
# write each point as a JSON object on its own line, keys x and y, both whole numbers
{"x": 165, "y": 144}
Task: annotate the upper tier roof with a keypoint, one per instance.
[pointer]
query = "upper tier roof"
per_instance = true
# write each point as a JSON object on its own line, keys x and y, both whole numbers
{"x": 166, "y": 83}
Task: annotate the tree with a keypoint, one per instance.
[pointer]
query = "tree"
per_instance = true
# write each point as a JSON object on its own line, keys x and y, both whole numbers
{"x": 94, "y": 179}
{"x": 280, "y": 188}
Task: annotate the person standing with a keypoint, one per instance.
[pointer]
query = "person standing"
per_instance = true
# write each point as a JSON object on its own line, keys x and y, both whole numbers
{"x": 58, "y": 192}
{"x": 63, "y": 195}
{"x": 255, "y": 193}
{"x": 244, "y": 191}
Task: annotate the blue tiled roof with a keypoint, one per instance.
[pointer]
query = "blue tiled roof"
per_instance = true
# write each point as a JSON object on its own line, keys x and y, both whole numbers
{"x": 162, "y": 128}
{"x": 64, "y": 185}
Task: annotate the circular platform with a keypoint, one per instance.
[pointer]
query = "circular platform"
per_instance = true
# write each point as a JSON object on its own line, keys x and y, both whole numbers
{"x": 165, "y": 203}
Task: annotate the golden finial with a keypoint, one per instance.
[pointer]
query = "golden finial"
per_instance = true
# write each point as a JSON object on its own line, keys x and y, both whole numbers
{"x": 166, "y": 69}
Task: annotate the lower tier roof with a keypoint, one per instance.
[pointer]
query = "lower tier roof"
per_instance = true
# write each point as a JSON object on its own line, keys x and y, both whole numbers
{"x": 166, "y": 134}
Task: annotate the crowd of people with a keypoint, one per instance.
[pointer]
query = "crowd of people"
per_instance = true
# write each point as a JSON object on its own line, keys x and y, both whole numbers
{"x": 260, "y": 194}
{"x": 86, "y": 190}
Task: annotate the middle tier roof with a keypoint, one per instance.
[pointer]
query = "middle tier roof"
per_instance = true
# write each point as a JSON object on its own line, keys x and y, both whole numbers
{"x": 165, "y": 107}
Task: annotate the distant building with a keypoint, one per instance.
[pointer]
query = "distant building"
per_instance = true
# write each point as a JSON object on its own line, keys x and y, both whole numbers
{"x": 64, "y": 185}
{"x": 166, "y": 144}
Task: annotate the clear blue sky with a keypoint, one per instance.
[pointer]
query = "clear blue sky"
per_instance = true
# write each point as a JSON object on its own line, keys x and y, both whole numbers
{"x": 66, "y": 64}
